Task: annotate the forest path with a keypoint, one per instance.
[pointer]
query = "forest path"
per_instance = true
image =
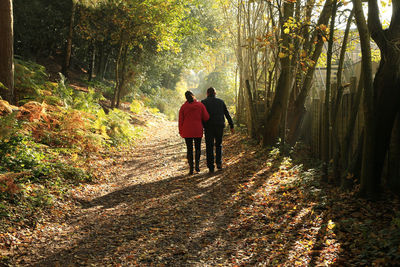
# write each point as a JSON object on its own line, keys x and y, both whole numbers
{"x": 151, "y": 212}
{"x": 262, "y": 209}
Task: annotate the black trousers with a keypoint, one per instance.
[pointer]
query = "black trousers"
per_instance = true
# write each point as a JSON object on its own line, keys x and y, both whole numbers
{"x": 189, "y": 147}
{"x": 214, "y": 138}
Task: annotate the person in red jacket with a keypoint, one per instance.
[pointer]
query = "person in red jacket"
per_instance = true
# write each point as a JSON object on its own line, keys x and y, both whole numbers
{"x": 191, "y": 117}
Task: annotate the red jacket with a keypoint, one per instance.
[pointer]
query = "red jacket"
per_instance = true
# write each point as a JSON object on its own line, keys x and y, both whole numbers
{"x": 191, "y": 117}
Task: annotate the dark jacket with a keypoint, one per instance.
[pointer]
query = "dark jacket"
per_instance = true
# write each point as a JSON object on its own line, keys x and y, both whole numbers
{"x": 217, "y": 110}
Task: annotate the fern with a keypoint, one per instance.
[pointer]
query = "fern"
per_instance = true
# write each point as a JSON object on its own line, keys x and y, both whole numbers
{"x": 136, "y": 106}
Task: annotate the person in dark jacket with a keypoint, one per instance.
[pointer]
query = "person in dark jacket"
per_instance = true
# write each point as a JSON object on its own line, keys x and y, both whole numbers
{"x": 214, "y": 128}
{"x": 192, "y": 114}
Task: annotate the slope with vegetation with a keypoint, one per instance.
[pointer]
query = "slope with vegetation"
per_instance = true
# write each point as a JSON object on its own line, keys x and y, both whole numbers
{"x": 49, "y": 143}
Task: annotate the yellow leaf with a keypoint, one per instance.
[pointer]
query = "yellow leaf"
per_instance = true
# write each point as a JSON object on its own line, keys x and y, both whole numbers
{"x": 282, "y": 55}
{"x": 331, "y": 225}
{"x": 286, "y": 30}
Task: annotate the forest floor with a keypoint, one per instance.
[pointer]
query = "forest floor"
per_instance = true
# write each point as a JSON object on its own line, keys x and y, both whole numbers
{"x": 260, "y": 209}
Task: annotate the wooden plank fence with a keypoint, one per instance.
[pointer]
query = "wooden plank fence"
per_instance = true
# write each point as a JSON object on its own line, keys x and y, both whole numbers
{"x": 316, "y": 114}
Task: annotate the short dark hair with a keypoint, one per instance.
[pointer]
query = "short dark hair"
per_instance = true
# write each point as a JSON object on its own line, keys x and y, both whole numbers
{"x": 189, "y": 96}
{"x": 211, "y": 91}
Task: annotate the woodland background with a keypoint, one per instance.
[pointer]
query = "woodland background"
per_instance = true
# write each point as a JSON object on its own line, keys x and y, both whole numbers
{"x": 318, "y": 75}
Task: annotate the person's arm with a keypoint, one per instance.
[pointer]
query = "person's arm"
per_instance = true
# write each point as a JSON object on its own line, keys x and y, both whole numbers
{"x": 228, "y": 117}
{"x": 180, "y": 122}
{"x": 204, "y": 116}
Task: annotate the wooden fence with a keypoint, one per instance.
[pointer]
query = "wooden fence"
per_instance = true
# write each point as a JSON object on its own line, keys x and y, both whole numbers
{"x": 313, "y": 131}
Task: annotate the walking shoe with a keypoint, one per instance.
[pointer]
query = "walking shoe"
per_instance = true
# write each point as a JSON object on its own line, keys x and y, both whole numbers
{"x": 210, "y": 170}
{"x": 191, "y": 170}
{"x": 219, "y": 166}
{"x": 197, "y": 166}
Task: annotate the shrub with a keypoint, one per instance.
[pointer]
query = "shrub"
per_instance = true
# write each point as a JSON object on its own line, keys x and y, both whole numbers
{"x": 73, "y": 174}
{"x": 31, "y": 81}
{"x": 136, "y": 106}
{"x": 120, "y": 131}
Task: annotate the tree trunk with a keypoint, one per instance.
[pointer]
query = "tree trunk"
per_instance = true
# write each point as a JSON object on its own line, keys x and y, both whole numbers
{"x": 118, "y": 70}
{"x": 347, "y": 142}
{"x": 122, "y": 76}
{"x": 240, "y": 106}
{"x": 368, "y": 182}
{"x": 68, "y": 48}
{"x": 239, "y": 55}
{"x": 251, "y": 111}
{"x": 272, "y": 121}
{"x": 105, "y": 67}
{"x": 394, "y": 158}
{"x": 387, "y": 88}
{"x": 100, "y": 60}
{"x": 326, "y": 126}
{"x": 355, "y": 162}
{"x": 92, "y": 61}
{"x": 381, "y": 103}
{"x": 337, "y": 101}
{"x": 6, "y": 51}
{"x": 297, "y": 111}
{"x": 387, "y": 81}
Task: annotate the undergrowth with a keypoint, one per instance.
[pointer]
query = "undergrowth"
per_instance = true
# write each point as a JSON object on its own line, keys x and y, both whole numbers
{"x": 46, "y": 142}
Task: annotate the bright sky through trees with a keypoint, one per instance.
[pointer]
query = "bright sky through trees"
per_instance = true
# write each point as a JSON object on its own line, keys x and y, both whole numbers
{"x": 385, "y": 8}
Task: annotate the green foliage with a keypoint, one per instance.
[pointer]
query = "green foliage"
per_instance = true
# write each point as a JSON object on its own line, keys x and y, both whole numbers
{"x": 222, "y": 79}
{"x": 65, "y": 92}
{"x": 166, "y": 101}
{"x": 8, "y": 126}
{"x": 2, "y": 87}
{"x": 81, "y": 100}
{"x": 31, "y": 138}
{"x": 118, "y": 128}
{"x": 87, "y": 101}
{"x": 37, "y": 197}
{"x": 115, "y": 127}
{"x": 19, "y": 153}
{"x": 136, "y": 106}
{"x": 31, "y": 82}
{"x": 70, "y": 173}
{"x": 40, "y": 26}
{"x": 105, "y": 88}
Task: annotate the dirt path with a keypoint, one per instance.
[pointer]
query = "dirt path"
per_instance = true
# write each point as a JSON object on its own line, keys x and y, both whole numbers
{"x": 151, "y": 213}
{"x": 260, "y": 210}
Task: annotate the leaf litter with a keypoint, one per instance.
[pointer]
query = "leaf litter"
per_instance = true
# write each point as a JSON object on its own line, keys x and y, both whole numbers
{"x": 262, "y": 209}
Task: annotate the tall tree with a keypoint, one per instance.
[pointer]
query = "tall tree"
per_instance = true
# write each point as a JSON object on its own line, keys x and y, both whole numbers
{"x": 382, "y": 95}
{"x": 369, "y": 184}
{"x": 68, "y": 47}
{"x": 279, "y": 105}
{"x": 338, "y": 147}
{"x": 386, "y": 88}
{"x": 6, "y": 51}
{"x": 314, "y": 48}
{"x": 326, "y": 126}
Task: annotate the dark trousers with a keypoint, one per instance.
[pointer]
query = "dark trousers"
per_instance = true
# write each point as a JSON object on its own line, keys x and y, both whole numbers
{"x": 214, "y": 138}
{"x": 197, "y": 147}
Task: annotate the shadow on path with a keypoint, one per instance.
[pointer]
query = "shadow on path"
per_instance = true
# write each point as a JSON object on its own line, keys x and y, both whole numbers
{"x": 174, "y": 221}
